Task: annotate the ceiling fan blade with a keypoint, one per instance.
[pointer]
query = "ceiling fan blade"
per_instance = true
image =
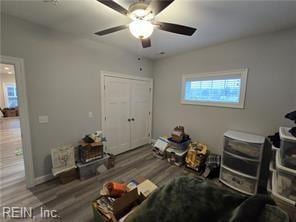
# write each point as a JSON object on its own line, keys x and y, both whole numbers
{"x": 111, "y": 30}
{"x": 175, "y": 28}
{"x": 156, "y": 6}
{"x": 146, "y": 42}
{"x": 115, "y": 6}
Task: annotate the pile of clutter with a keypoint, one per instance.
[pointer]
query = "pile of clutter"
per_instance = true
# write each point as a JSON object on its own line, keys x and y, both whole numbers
{"x": 118, "y": 200}
{"x": 180, "y": 150}
{"x": 178, "y": 145}
{"x": 88, "y": 157}
{"x": 91, "y": 147}
{"x": 172, "y": 148}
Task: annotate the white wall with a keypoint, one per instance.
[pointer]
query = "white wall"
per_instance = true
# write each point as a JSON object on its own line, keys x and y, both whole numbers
{"x": 62, "y": 76}
{"x": 4, "y": 78}
{"x": 270, "y": 88}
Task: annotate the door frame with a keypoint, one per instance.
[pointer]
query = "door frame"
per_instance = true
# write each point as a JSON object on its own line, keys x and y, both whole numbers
{"x": 123, "y": 76}
{"x": 24, "y": 116}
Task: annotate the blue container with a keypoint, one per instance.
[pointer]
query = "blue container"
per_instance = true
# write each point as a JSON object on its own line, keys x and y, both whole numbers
{"x": 183, "y": 145}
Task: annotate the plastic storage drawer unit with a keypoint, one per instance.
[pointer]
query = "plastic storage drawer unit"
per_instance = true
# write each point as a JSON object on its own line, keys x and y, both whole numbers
{"x": 238, "y": 182}
{"x": 272, "y": 160}
{"x": 241, "y": 164}
{"x": 284, "y": 182}
{"x": 288, "y": 148}
{"x": 243, "y": 144}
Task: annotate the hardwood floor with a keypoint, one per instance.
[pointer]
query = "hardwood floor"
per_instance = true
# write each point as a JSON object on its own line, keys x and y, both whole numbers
{"x": 11, "y": 165}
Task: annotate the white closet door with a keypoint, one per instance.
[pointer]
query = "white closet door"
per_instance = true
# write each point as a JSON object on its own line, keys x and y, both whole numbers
{"x": 140, "y": 111}
{"x": 117, "y": 113}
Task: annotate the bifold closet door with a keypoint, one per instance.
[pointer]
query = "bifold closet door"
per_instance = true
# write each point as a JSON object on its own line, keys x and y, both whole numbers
{"x": 117, "y": 113}
{"x": 140, "y": 112}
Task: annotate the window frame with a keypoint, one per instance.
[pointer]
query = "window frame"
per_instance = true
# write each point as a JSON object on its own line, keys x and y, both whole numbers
{"x": 241, "y": 73}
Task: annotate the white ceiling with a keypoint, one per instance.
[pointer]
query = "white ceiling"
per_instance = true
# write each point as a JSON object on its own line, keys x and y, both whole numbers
{"x": 7, "y": 69}
{"x": 216, "y": 21}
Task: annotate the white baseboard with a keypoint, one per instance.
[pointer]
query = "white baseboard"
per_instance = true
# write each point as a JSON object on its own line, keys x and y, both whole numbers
{"x": 42, "y": 179}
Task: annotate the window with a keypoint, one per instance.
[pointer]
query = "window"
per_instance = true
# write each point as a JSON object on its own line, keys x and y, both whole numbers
{"x": 225, "y": 88}
{"x": 10, "y": 94}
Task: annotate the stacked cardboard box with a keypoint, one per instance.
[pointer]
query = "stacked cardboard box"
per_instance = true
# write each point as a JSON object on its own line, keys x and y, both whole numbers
{"x": 91, "y": 155}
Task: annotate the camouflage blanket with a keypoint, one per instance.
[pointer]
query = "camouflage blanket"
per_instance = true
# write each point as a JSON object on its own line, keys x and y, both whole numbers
{"x": 187, "y": 199}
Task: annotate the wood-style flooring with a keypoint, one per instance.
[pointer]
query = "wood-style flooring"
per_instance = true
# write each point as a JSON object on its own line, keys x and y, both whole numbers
{"x": 73, "y": 200}
{"x": 11, "y": 165}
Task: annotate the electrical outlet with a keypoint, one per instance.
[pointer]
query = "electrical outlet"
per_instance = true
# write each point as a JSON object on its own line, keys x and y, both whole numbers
{"x": 43, "y": 119}
{"x": 90, "y": 115}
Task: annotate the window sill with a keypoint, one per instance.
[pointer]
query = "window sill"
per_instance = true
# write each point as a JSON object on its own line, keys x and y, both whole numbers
{"x": 224, "y": 105}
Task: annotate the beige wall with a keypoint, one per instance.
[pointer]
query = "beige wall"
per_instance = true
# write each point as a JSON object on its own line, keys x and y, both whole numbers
{"x": 62, "y": 76}
{"x": 270, "y": 88}
{"x": 4, "y": 78}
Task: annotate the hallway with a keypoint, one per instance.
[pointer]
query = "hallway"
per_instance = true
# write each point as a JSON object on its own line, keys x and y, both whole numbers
{"x": 11, "y": 158}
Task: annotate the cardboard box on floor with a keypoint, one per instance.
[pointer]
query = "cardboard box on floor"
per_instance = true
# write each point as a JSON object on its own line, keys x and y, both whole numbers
{"x": 146, "y": 188}
{"x": 127, "y": 202}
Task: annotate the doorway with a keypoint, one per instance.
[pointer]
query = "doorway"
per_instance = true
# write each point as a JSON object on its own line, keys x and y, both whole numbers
{"x": 15, "y": 141}
{"x": 11, "y": 159}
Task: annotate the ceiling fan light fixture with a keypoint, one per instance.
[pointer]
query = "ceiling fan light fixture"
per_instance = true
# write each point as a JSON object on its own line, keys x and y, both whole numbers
{"x": 140, "y": 13}
{"x": 141, "y": 29}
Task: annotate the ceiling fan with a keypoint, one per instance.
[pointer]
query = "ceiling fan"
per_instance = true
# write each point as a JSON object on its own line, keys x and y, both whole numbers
{"x": 143, "y": 20}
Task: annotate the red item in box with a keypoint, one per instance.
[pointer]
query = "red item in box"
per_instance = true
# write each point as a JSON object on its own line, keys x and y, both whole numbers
{"x": 116, "y": 189}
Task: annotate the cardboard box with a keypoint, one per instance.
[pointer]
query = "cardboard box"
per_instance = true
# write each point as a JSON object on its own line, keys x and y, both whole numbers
{"x": 124, "y": 204}
{"x": 68, "y": 176}
{"x": 121, "y": 206}
{"x": 146, "y": 188}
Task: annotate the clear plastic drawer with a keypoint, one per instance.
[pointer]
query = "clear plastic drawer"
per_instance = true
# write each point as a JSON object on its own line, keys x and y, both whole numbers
{"x": 285, "y": 180}
{"x": 244, "y": 149}
{"x": 238, "y": 182}
{"x": 240, "y": 164}
{"x": 288, "y": 148}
